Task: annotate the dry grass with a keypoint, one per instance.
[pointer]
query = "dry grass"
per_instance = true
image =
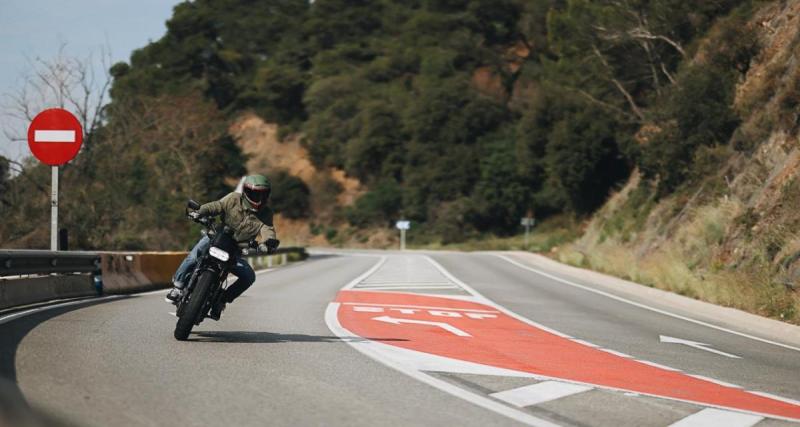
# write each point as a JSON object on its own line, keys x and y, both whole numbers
{"x": 544, "y": 237}
{"x": 686, "y": 264}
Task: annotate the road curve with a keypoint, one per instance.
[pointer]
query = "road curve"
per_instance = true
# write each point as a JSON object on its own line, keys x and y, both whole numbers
{"x": 290, "y": 352}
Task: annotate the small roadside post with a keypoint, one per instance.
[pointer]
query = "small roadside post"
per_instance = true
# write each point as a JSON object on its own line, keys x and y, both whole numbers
{"x": 54, "y": 137}
{"x": 403, "y": 225}
{"x": 528, "y": 222}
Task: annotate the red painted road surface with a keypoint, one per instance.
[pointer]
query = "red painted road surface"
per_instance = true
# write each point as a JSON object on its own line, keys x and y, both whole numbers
{"x": 487, "y": 336}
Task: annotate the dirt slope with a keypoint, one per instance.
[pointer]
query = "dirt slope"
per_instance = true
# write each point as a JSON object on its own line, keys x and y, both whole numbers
{"x": 267, "y": 153}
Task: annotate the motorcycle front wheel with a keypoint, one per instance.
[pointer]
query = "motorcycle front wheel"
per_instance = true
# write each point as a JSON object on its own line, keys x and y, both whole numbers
{"x": 196, "y": 303}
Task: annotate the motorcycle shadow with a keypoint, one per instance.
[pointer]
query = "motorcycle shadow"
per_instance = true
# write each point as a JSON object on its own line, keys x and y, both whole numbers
{"x": 274, "y": 338}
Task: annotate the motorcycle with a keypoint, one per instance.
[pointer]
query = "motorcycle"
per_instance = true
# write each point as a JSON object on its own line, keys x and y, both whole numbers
{"x": 205, "y": 288}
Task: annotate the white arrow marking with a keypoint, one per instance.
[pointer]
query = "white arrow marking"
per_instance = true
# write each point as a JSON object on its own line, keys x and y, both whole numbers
{"x": 446, "y": 326}
{"x": 697, "y": 345}
{"x": 54, "y": 136}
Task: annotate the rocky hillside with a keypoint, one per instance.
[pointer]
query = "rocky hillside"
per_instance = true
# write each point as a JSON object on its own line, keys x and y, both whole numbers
{"x": 733, "y": 236}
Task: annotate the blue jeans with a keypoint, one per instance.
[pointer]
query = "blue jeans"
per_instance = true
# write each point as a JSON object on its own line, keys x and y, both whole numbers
{"x": 245, "y": 276}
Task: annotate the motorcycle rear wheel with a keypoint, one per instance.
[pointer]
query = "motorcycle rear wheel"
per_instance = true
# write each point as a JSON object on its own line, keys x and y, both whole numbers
{"x": 196, "y": 303}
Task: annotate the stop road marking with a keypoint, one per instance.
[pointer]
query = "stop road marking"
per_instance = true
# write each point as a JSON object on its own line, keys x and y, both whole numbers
{"x": 436, "y": 313}
{"x": 475, "y": 332}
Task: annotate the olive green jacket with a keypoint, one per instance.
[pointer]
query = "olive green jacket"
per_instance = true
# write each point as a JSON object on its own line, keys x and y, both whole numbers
{"x": 246, "y": 222}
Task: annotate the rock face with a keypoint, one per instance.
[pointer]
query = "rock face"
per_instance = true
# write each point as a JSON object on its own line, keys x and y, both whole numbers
{"x": 266, "y": 153}
{"x": 734, "y": 238}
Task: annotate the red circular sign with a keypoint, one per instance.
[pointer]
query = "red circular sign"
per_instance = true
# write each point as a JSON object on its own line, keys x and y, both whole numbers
{"x": 55, "y": 136}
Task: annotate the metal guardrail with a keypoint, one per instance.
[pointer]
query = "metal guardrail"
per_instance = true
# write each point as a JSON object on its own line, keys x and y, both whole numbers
{"x": 24, "y": 262}
{"x": 263, "y": 260}
{"x": 287, "y": 250}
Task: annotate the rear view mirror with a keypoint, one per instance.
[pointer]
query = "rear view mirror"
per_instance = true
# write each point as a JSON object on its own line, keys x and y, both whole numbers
{"x": 193, "y": 205}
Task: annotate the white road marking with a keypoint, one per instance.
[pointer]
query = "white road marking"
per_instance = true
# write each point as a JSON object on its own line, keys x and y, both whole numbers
{"x": 644, "y": 306}
{"x": 539, "y": 393}
{"x": 424, "y": 307}
{"x": 446, "y": 326}
{"x": 482, "y": 299}
{"x": 486, "y": 301}
{"x": 54, "y": 136}
{"x": 366, "y": 274}
{"x": 586, "y": 343}
{"x": 393, "y": 288}
{"x": 772, "y": 396}
{"x": 14, "y": 316}
{"x": 379, "y": 352}
{"x": 369, "y": 282}
{"x": 616, "y": 353}
{"x": 715, "y": 381}
{"x": 693, "y": 344}
{"x": 711, "y": 417}
{"x": 332, "y": 321}
{"x": 658, "y": 365}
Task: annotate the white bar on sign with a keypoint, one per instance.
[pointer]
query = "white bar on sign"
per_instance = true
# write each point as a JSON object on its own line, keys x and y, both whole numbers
{"x": 711, "y": 417}
{"x": 544, "y": 391}
{"x": 54, "y": 136}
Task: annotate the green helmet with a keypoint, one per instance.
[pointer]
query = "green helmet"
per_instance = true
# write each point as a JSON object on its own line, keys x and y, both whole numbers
{"x": 256, "y": 190}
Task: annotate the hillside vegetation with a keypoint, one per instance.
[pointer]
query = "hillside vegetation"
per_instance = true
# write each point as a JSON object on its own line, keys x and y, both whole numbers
{"x": 731, "y": 236}
{"x": 461, "y": 115}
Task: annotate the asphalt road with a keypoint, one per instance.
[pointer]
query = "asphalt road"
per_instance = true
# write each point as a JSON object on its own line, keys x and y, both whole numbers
{"x": 280, "y": 356}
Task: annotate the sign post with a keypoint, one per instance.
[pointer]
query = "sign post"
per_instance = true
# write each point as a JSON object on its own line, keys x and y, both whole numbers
{"x": 54, "y": 137}
{"x": 528, "y": 222}
{"x": 403, "y": 225}
{"x": 54, "y": 208}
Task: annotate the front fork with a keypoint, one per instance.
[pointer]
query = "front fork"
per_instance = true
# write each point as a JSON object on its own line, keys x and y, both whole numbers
{"x": 217, "y": 291}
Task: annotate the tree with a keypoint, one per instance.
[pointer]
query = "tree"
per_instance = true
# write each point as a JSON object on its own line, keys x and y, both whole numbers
{"x": 696, "y": 113}
{"x": 584, "y": 160}
{"x": 290, "y": 196}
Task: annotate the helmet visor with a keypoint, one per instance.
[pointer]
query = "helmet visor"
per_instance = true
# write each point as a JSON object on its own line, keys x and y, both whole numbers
{"x": 256, "y": 196}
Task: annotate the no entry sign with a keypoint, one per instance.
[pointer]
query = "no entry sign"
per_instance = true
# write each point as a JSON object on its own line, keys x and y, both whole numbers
{"x": 55, "y": 136}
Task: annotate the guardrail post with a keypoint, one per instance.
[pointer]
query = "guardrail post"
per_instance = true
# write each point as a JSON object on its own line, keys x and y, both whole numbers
{"x": 283, "y": 259}
{"x": 97, "y": 280}
{"x": 269, "y": 261}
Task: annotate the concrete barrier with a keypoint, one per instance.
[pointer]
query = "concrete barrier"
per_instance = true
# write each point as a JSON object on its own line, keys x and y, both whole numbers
{"x": 29, "y": 290}
{"x": 128, "y": 272}
{"x": 122, "y": 273}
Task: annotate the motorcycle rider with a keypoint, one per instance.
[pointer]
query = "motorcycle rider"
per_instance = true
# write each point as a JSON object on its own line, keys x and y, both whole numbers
{"x": 250, "y": 218}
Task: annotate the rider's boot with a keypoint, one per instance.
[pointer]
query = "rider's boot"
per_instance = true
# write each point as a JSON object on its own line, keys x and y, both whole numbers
{"x": 174, "y": 294}
{"x": 217, "y": 309}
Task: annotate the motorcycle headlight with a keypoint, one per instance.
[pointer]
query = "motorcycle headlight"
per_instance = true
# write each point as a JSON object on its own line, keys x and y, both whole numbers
{"x": 219, "y": 254}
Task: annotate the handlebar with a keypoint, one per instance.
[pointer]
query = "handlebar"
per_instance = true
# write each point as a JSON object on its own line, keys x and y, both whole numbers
{"x": 208, "y": 222}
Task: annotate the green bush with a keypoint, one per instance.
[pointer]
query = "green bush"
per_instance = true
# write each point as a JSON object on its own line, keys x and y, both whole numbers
{"x": 697, "y": 112}
{"x": 290, "y": 195}
{"x": 377, "y": 207}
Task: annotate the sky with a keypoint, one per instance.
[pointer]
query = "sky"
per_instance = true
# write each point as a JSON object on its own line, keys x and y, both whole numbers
{"x": 32, "y": 29}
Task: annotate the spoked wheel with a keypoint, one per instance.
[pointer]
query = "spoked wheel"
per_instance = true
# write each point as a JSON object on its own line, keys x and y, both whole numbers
{"x": 194, "y": 307}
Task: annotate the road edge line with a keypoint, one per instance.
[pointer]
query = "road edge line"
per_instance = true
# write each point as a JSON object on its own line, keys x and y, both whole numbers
{"x": 352, "y": 284}
{"x": 641, "y": 305}
{"x": 11, "y": 317}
